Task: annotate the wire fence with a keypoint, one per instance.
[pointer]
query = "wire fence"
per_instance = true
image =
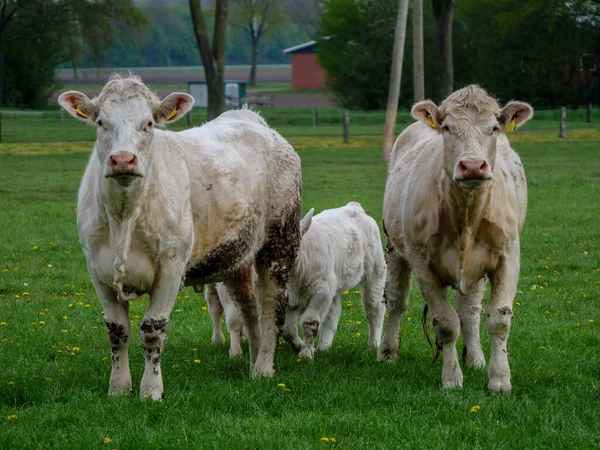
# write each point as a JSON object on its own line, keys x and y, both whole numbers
{"x": 57, "y": 126}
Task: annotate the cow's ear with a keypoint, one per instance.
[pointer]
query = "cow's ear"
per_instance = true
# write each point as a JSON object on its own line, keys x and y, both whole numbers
{"x": 515, "y": 114}
{"x": 306, "y": 221}
{"x": 428, "y": 113}
{"x": 173, "y": 107}
{"x": 79, "y": 105}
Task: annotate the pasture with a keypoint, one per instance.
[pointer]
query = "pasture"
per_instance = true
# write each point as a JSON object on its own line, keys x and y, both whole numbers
{"x": 56, "y": 359}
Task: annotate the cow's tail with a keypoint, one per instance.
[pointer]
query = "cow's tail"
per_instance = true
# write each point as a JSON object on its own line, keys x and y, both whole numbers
{"x": 438, "y": 347}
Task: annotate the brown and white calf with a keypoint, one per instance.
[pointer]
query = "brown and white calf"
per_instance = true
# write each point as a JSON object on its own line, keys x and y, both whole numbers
{"x": 157, "y": 208}
{"x": 454, "y": 206}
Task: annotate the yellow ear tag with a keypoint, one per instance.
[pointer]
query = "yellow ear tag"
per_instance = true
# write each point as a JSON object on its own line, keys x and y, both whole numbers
{"x": 511, "y": 125}
{"x": 172, "y": 114}
{"x": 430, "y": 120}
{"x": 80, "y": 112}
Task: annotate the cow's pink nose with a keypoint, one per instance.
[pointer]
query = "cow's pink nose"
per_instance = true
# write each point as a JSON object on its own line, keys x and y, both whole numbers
{"x": 473, "y": 168}
{"x": 122, "y": 162}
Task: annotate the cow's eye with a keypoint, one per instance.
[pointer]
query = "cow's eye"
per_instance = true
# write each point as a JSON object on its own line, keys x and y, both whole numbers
{"x": 150, "y": 124}
{"x": 446, "y": 129}
{"x": 100, "y": 123}
{"x": 495, "y": 130}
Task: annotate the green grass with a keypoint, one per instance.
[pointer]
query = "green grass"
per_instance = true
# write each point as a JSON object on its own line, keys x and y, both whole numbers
{"x": 58, "y": 392}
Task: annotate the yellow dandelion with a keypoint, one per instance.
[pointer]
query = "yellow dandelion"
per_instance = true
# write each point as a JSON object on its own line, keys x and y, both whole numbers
{"x": 204, "y": 308}
{"x": 12, "y": 417}
{"x": 64, "y": 331}
{"x": 357, "y": 292}
{"x": 11, "y": 383}
{"x": 358, "y": 322}
{"x": 87, "y": 305}
{"x": 332, "y": 440}
{"x": 357, "y": 335}
{"x": 65, "y": 317}
{"x": 324, "y": 439}
{"x": 542, "y": 347}
{"x": 282, "y": 385}
{"x": 475, "y": 408}
{"x": 75, "y": 349}
{"x": 177, "y": 310}
{"x": 590, "y": 321}
{"x": 3, "y": 324}
{"x": 349, "y": 304}
{"x": 197, "y": 361}
{"x": 25, "y": 294}
{"x": 107, "y": 440}
{"x": 409, "y": 318}
{"x": 517, "y": 303}
{"x": 185, "y": 297}
{"x": 577, "y": 324}
{"x": 42, "y": 322}
{"x": 48, "y": 380}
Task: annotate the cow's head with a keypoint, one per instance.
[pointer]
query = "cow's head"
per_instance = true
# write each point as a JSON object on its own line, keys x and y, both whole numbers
{"x": 469, "y": 121}
{"x": 125, "y": 114}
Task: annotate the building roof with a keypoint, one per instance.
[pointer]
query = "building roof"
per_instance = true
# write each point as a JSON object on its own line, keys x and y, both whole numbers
{"x": 307, "y": 47}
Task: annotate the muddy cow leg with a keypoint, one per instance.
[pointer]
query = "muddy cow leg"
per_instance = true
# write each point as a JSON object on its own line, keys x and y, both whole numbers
{"x": 242, "y": 288}
{"x": 397, "y": 288}
{"x": 274, "y": 265}
{"x": 116, "y": 318}
{"x": 469, "y": 309}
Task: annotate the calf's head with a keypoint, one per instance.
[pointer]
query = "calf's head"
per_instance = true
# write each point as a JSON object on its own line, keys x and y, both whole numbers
{"x": 470, "y": 121}
{"x": 125, "y": 114}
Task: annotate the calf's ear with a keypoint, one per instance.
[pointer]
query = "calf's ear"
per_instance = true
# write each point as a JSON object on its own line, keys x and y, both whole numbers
{"x": 79, "y": 106}
{"x": 515, "y": 114}
{"x": 428, "y": 113}
{"x": 306, "y": 221}
{"x": 173, "y": 107}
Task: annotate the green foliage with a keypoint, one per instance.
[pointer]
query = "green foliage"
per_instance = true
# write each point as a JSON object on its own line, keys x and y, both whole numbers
{"x": 530, "y": 51}
{"x": 56, "y": 358}
{"x": 355, "y": 50}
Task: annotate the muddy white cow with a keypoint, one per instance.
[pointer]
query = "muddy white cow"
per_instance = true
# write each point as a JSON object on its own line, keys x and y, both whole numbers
{"x": 219, "y": 301}
{"x": 157, "y": 208}
{"x": 340, "y": 248}
{"x": 454, "y": 207}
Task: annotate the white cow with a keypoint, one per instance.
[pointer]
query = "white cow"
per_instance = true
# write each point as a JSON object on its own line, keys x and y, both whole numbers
{"x": 219, "y": 300}
{"x": 340, "y": 248}
{"x": 454, "y": 206}
{"x": 157, "y": 207}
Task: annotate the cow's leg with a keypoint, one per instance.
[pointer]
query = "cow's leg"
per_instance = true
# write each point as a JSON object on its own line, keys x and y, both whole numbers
{"x": 290, "y": 329}
{"x": 330, "y": 324}
{"x": 215, "y": 309}
{"x": 396, "y": 291}
{"x": 469, "y": 309}
{"x": 242, "y": 289}
{"x": 499, "y": 317}
{"x": 235, "y": 328}
{"x": 116, "y": 318}
{"x": 445, "y": 321}
{"x": 153, "y": 330}
{"x": 312, "y": 318}
{"x": 372, "y": 303}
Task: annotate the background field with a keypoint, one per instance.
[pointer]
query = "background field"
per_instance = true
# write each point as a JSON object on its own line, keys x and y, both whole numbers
{"x": 56, "y": 359}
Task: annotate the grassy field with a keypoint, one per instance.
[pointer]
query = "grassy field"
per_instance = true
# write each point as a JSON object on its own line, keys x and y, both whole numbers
{"x": 56, "y": 359}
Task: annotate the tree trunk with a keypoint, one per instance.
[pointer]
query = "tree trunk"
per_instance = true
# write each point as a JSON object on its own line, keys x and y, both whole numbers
{"x": 1, "y": 72}
{"x": 443, "y": 12}
{"x": 418, "y": 54}
{"x": 213, "y": 59}
{"x": 254, "y": 61}
{"x": 395, "y": 78}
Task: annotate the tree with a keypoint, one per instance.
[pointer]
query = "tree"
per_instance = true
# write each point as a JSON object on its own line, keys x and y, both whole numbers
{"x": 257, "y": 18}
{"x": 33, "y": 38}
{"x": 443, "y": 13}
{"x": 396, "y": 73}
{"x": 213, "y": 58}
{"x": 418, "y": 57}
{"x": 357, "y": 55}
{"x": 306, "y": 14}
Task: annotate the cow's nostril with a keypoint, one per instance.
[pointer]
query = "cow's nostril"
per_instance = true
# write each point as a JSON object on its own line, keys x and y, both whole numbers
{"x": 483, "y": 166}
{"x": 462, "y": 167}
{"x": 112, "y": 161}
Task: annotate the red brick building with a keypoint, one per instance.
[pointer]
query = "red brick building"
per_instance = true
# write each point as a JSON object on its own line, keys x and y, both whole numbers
{"x": 306, "y": 72}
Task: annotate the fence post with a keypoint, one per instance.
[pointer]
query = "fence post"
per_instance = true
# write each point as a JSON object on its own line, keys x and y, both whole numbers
{"x": 589, "y": 112}
{"x": 62, "y": 114}
{"x": 563, "y": 122}
{"x": 346, "y": 127}
{"x": 315, "y": 117}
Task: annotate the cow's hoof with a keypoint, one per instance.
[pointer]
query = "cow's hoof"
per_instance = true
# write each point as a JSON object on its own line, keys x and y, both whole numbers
{"x": 218, "y": 339}
{"x": 152, "y": 395}
{"x": 119, "y": 387}
{"x": 389, "y": 354}
{"x": 264, "y": 372}
{"x": 307, "y": 353}
{"x": 235, "y": 352}
{"x": 452, "y": 384}
{"x": 498, "y": 385}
